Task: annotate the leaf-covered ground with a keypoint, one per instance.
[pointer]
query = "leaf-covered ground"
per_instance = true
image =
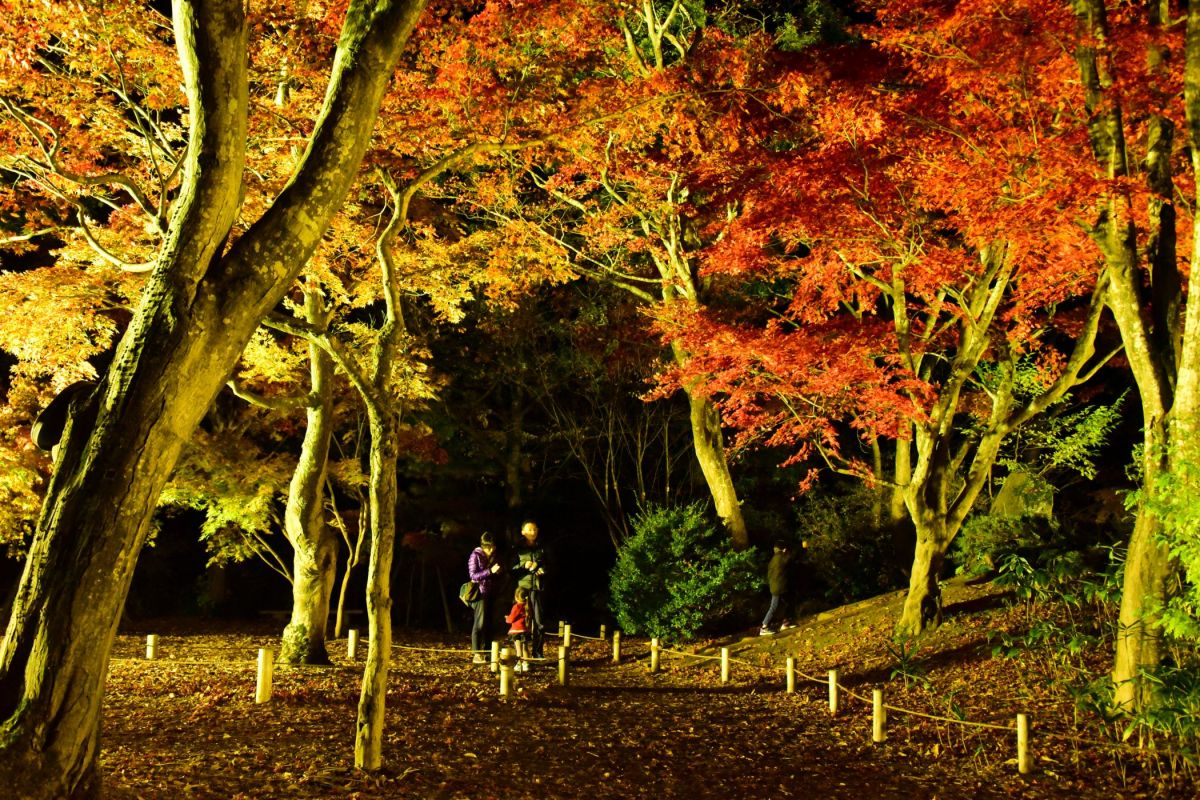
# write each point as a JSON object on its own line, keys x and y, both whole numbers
{"x": 186, "y": 725}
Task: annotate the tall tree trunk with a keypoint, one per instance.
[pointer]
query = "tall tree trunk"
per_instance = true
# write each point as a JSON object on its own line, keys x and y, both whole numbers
{"x": 902, "y": 474}
{"x": 200, "y": 307}
{"x": 368, "y": 740}
{"x": 1161, "y": 355}
{"x": 1143, "y": 588}
{"x": 710, "y": 452}
{"x": 314, "y": 545}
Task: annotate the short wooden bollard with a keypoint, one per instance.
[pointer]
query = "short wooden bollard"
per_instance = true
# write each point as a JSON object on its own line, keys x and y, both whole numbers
{"x": 603, "y": 633}
{"x": 654, "y": 654}
{"x": 560, "y": 627}
{"x": 616, "y": 647}
{"x": 562, "y": 665}
{"x": 352, "y": 644}
{"x": 151, "y": 646}
{"x": 495, "y": 665}
{"x": 724, "y": 665}
{"x": 266, "y": 670}
{"x": 506, "y": 672}
{"x": 878, "y": 716}
{"x": 833, "y": 691}
{"x": 791, "y": 675}
{"x": 1024, "y": 762}
{"x": 566, "y": 635}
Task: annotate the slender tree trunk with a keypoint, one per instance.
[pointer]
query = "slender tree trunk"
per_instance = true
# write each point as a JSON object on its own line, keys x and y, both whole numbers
{"x": 710, "y": 452}
{"x": 353, "y": 558}
{"x": 314, "y": 544}
{"x": 200, "y": 307}
{"x": 902, "y": 474}
{"x": 368, "y": 741}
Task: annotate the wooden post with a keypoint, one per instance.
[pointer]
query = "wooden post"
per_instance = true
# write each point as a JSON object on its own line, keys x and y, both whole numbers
{"x": 151, "y": 646}
{"x": 266, "y": 669}
{"x": 833, "y": 692}
{"x": 791, "y": 675}
{"x": 495, "y": 656}
{"x": 352, "y": 644}
{"x": 724, "y": 665}
{"x": 604, "y": 633}
{"x": 654, "y": 654}
{"x": 506, "y": 673}
{"x": 560, "y": 627}
{"x": 566, "y": 635}
{"x": 878, "y": 716}
{"x": 562, "y": 665}
{"x": 616, "y": 647}
{"x": 1024, "y": 762}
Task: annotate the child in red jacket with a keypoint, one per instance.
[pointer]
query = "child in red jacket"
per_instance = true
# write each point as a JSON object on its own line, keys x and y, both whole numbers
{"x": 516, "y": 630}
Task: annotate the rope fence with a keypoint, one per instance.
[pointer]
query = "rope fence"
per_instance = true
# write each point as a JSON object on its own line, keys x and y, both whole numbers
{"x": 504, "y": 662}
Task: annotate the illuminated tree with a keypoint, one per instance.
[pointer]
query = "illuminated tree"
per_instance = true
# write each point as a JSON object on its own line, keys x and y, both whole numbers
{"x": 201, "y": 304}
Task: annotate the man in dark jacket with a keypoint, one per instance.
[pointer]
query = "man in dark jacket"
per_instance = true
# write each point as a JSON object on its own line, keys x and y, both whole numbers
{"x": 777, "y": 582}
{"x": 530, "y": 571}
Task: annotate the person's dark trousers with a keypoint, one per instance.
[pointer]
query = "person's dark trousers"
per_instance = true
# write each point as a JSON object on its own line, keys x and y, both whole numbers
{"x": 776, "y": 604}
{"x": 537, "y": 625}
{"x": 481, "y": 629}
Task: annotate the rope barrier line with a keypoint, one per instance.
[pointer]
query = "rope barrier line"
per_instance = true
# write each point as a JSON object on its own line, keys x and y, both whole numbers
{"x": 993, "y": 726}
{"x": 1114, "y": 746}
{"x": 704, "y": 657}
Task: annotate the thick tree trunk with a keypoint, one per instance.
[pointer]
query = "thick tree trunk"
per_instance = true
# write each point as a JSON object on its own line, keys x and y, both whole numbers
{"x": 368, "y": 742}
{"x": 117, "y": 453}
{"x": 200, "y": 307}
{"x": 1149, "y": 339}
{"x": 314, "y": 544}
{"x": 710, "y": 452}
{"x": 923, "y": 605}
{"x": 1138, "y": 645}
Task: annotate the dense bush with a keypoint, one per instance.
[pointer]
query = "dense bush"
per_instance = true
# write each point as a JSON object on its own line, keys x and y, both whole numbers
{"x": 850, "y": 555}
{"x": 677, "y": 575}
{"x": 987, "y": 540}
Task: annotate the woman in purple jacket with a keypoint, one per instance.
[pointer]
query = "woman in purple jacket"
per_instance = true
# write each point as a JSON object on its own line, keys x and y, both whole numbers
{"x": 482, "y": 568}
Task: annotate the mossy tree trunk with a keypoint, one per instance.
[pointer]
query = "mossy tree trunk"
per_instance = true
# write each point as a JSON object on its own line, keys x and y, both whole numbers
{"x": 372, "y": 701}
{"x": 200, "y": 307}
{"x": 314, "y": 544}
{"x": 1162, "y": 344}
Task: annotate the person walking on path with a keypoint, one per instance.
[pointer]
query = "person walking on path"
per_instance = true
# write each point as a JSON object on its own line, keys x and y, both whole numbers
{"x": 482, "y": 568}
{"x": 530, "y": 571}
{"x": 777, "y": 582}
{"x": 516, "y": 621}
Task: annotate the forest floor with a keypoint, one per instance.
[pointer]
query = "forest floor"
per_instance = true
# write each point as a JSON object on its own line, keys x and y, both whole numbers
{"x": 186, "y": 725}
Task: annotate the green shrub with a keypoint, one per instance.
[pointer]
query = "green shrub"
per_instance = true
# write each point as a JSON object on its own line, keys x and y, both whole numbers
{"x": 849, "y": 554}
{"x": 678, "y": 575}
{"x": 987, "y": 540}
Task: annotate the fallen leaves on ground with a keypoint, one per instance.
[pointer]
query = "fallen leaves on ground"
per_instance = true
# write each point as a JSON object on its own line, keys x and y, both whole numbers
{"x": 186, "y": 725}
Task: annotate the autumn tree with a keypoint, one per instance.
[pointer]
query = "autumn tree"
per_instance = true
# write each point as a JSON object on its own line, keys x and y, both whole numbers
{"x": 928, "y": 278}
{"x": 628, "y": 199}
{"x": 202, "y": 302}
